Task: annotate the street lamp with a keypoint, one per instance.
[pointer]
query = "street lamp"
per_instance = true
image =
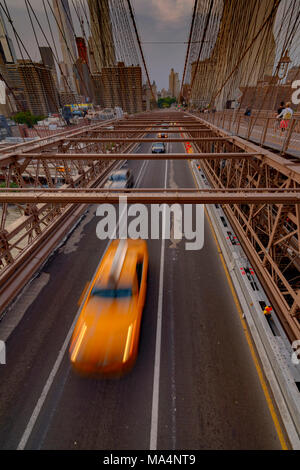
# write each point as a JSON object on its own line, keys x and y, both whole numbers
{"x": 283, "y": 66}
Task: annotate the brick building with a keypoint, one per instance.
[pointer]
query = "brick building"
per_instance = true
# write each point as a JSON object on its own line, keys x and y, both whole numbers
{"x": 33, "y": 84}
{"x": 269, "y": 93}
{"x": 122, "y": 86}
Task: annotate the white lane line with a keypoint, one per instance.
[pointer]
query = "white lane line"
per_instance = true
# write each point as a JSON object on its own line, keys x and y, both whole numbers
{"x": 141, "y": 173}
{"x": 31, "y": 423}
{"x": 46, "y": 388}
{"x": 155, "y": 395}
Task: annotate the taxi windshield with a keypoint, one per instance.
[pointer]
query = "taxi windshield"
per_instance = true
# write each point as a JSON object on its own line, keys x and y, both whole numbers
{"x": 108, "y": 293}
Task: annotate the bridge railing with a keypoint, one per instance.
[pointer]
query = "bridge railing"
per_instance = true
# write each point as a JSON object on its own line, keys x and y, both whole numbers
{"x": 263, "y": 129}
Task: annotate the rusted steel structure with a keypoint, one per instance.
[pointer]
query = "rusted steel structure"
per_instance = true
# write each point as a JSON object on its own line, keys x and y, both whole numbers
{"x": 269, "y": 232}
{"x": 29, "y": 232}
{"x": 259, "y": 192}
{"x": 152, "y": 196}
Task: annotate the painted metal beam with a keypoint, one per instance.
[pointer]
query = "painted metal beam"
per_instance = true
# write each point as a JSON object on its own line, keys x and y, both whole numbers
{"x": 150, "y": 196}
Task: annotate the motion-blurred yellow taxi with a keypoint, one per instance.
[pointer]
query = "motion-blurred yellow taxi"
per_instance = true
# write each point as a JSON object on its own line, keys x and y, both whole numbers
{"x": 106, "y": 336}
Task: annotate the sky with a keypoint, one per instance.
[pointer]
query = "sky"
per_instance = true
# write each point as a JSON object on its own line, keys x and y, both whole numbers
{"x": 157, "y": 20}
{"x": 165, "y": 21}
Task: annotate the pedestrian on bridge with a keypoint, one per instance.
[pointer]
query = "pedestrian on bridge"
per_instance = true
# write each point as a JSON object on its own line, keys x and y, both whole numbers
{"x": 278, "y": 120}
{"x": 285, "y": 116}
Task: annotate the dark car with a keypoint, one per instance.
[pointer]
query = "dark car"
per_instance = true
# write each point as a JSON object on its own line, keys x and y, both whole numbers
{"x": 158, "y": 147}
{"x": 120, "y": 179}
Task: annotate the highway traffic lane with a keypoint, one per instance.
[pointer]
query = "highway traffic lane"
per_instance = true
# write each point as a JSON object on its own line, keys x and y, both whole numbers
{"x": 90, "y": 414}
{"x": 33, "y": 346}
{"x": 107, "y": 414}
{"x": 210, "y": 394}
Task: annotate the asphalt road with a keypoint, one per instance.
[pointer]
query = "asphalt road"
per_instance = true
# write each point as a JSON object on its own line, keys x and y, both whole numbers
{"x": 208, "y": 392}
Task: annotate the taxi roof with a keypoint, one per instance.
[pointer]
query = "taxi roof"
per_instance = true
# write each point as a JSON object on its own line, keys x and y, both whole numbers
{"x": 125, "y": 272}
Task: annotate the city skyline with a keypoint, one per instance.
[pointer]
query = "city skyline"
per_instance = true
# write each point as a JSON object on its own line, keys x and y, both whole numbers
{"x": 156, "y": 25}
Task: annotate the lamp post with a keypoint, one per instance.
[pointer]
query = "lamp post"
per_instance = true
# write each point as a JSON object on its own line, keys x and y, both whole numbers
{"x": 283, "y": 66}
{"x": 281, "y": 72}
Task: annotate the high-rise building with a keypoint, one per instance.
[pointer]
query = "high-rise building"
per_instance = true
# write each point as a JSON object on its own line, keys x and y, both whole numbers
{"x": 48, "y": 60}
{"x": 32, "y": 85}
{"x": 154, "y": 90}
{"x": 7, "y": 51}
{"x": 174, "y": 84}
{"x": 13, "y": 79}
{"x": 67, "y": 41}
{"x": 122, "y": 86}
{"x": 82, "y": 50}
{"x": 82, "y": 75}
{"x": 40, "y": 91}
{"x": 102, "y": 43}
{"x": 81, "y": 70}
{"x": 93, "y": 66}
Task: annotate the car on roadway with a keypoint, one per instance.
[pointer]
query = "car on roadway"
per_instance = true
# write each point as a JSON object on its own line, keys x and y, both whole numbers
{"x": 158, "y": 147}
{"x": 106, "y": 335}
{"x": 162, "y": 135}
{"x": 120, "y": 179}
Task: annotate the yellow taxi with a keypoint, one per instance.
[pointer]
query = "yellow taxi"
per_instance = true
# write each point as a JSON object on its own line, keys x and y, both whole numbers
{"x": 106, "y": 336}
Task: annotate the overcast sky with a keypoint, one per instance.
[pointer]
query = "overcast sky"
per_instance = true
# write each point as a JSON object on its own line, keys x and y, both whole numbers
{"x": 157, "y": 20}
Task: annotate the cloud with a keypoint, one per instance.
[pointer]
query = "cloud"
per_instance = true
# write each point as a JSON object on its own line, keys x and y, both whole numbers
{"x": 170, "y": 12}
{"x": 20, "y": 5}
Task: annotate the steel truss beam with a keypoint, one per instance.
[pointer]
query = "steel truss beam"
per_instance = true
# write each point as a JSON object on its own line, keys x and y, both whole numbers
{"x": 151, "y": 196}
{"x": 153, "y": 139}
{"x": 269, "y": 232}
{"x": 258, "y": 190}
{"x": 27, "y": 230}
{"x": 132, "y": 156}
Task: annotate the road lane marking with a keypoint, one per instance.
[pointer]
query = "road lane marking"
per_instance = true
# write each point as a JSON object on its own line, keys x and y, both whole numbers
{"x": 141, "y": 173}
{"x": 41, "y": 400}
{"x": 155, "y": 395}
{"x": 36, "y": 412}
{"x": 259, "y": 371}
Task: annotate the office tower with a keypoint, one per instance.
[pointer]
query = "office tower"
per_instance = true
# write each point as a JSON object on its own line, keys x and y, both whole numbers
{"x": 33, "y": 86}
{"x": 102, "y": 43}
{"x": 122, "y": 86}
{"x": 174, "y": 84}
{"x": 7, "y": 51}
{"x": 48, "y": 60}
{"x": 40, "y": 91}
{"x": 67, "y": 42}
{"x": 82, "y": 50}
{"x": 93, "y": 65}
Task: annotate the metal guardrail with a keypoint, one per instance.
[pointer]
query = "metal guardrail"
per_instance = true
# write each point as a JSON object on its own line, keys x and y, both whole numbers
{"x": 262, "y": 129}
